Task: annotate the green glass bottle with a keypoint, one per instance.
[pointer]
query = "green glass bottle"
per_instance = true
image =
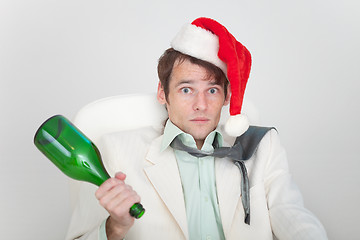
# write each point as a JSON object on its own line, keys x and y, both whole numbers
{"x": 74, "y": 154}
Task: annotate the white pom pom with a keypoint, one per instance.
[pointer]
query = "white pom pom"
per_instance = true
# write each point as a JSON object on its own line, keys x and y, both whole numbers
{"x": 236, "y": 125}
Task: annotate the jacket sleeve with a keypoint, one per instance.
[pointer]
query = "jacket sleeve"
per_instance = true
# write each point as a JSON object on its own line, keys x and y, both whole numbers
{"x": 289, "y": 218}
{"x": 87, "y": 216}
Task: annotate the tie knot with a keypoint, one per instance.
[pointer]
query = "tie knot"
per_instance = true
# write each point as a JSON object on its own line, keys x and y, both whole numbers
{"x": 220, "y": 152}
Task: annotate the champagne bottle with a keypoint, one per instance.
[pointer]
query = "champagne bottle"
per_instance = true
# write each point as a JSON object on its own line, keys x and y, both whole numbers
{"x": 74, "y": 154}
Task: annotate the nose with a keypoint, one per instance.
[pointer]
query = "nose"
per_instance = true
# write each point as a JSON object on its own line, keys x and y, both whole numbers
{"x": 200, "y": 102}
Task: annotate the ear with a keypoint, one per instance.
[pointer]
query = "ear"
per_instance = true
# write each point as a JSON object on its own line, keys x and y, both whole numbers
{"x": 161, "y": 94}
{"x": 227, "y": 99}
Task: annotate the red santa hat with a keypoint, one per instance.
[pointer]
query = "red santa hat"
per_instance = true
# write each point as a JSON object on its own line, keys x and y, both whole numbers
{"x": 210, "y": 41}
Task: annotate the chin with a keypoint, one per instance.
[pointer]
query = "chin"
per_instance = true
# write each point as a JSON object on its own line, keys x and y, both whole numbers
{"x": 199, "y": 131}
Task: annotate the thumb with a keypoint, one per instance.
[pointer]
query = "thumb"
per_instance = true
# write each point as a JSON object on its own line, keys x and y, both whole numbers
{"x": 120, "y": 175}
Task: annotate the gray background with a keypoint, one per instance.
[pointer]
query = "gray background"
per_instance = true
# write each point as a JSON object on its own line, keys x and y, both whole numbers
{"x": 57, "y": 56}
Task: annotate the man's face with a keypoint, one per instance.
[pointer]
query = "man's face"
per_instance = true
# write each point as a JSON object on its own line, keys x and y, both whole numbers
{"x": 194, "y": 100}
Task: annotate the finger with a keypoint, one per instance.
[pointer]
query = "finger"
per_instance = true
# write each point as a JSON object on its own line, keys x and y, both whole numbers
{"x": 120, "y": 206}
{"x": 107, "y": 186}
{"x": 118, "y": 192}
{"x": 118, "y": 200}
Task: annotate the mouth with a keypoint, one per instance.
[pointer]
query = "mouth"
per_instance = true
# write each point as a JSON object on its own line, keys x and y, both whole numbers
{"x": 200, "y": 120}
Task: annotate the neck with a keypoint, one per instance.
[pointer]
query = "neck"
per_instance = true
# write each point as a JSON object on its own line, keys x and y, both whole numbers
{"x": 199, "y": 143}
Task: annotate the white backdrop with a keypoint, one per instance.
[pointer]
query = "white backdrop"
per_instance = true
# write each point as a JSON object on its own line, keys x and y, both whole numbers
{"x": 57, "y": 56}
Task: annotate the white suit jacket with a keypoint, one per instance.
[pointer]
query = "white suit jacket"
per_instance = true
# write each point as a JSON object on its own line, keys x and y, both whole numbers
{"x": 276, "y": 204}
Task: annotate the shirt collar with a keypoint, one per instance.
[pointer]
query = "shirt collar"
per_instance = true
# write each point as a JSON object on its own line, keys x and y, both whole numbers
{"x": 171, "y": 131}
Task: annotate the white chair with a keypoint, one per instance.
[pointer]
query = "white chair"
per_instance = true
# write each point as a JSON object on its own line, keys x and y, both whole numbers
{"x": 119, "y": 113}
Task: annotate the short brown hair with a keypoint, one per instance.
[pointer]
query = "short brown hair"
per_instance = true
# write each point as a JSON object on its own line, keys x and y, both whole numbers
{"x": 170, "y": 56}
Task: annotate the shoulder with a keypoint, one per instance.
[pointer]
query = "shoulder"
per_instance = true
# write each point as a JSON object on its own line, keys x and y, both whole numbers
{"x": 269, "y": 146}
{"x": 126, "y": 149}
{"x": 255, "y": 134}
{"x": 270, "y": 140}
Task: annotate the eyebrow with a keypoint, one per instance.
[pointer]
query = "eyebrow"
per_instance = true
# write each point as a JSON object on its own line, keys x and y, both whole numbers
{"x": 184, "y": 82}
{"x": 212, "y": 83}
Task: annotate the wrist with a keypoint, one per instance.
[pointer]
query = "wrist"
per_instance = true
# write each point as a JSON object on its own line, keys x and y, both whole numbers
{"x": 114, "y": 230}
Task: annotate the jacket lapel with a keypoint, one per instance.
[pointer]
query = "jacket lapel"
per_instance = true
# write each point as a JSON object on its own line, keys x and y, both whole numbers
{"x": 164, "y": 176}
{"x": 228, "y": 191}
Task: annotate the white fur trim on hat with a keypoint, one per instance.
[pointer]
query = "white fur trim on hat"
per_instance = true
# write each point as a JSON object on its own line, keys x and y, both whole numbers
{"x": 199, "y": 43}
{"x": 236, "y": 125}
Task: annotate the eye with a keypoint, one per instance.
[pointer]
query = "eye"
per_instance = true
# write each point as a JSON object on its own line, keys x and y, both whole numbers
{"x": 185, "y": 90}
{"x": 213, "y": 90}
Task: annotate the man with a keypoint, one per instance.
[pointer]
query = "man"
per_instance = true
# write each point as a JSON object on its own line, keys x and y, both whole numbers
{"x": 191, "y": 196}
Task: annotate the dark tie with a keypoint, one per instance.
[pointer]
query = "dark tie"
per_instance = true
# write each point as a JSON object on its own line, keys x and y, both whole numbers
{"x": 242, "y": 150}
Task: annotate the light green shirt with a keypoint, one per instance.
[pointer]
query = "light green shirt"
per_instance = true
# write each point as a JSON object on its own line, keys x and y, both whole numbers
{"x": 198, "y": 181}
{"x": 199, "y": 188}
